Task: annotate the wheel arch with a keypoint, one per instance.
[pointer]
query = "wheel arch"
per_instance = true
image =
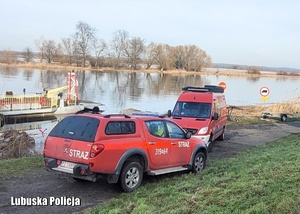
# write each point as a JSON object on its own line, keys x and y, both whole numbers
{"x": 199, "y": 148}
{"x": 133, "y": 155}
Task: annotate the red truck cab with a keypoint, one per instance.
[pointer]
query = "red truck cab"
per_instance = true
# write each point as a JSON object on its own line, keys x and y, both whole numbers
{"x": 202, "y": 111}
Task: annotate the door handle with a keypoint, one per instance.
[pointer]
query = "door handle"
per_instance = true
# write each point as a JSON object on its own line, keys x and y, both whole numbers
{"x": 152, "y": 143}
{"x": 173, "y": 143}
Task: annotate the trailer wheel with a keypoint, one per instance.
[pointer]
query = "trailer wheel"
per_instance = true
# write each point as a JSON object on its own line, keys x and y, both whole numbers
{"x": 283, "y": 117}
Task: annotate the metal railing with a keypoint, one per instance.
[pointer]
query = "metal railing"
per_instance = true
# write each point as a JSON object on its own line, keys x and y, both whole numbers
{"x": 25, "y": 102}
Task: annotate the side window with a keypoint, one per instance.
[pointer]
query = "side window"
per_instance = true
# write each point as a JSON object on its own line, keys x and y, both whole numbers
{"x": 156, "y": 128}
{"x": 217, "y": 108}
{"x": 120, "y": 127}
{"x": 174, "y": 130}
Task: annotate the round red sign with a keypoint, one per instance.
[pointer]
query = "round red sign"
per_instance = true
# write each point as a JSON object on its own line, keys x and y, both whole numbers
{"x": 264, "y": 91}
{"x": 223, "y": 85}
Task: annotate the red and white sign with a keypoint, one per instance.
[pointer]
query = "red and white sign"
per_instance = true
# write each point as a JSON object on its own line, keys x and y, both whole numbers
{"x": 264, "y": 91}
{"x": 223, "y": 85}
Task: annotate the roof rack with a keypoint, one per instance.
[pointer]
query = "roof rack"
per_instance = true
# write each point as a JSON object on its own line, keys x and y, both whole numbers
{"x": 148, "y": 114}
{"x": 116, "y": 115}
{"x": 206, "y": 88}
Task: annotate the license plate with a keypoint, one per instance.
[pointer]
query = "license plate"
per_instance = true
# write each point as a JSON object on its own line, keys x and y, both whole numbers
{"x": 67, "y": 164}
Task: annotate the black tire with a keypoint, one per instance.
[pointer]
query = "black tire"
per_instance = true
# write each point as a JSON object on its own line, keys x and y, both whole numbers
{"x": 210, "y": 145}
{"x": 1, "y": 120}
{"x": 283, "y": 117}
{"x": 222, "y": 136}
{"x": 131, "y": 176}
{"x": 199, "y": 162}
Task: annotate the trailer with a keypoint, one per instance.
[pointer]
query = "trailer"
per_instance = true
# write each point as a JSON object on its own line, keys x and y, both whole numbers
{"x": 282, "y": 116}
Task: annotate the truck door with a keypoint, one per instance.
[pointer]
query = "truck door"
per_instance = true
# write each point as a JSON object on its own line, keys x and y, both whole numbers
{"x": 180, "y": 146}
{"x": 158, "y": 145}
{"x": 215, "y": 125}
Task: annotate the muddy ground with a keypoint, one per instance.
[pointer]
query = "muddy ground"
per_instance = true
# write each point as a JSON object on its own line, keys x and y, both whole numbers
{"x": 41, "y": 183}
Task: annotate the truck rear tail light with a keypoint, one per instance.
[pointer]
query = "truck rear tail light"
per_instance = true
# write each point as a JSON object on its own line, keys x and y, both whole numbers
{"x": 58, "y": 162}
{"x": 96, "y": 150}
{"x": 82, "y": 172}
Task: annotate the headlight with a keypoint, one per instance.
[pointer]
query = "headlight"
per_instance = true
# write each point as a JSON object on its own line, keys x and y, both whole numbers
{"x": 203, "y": 130}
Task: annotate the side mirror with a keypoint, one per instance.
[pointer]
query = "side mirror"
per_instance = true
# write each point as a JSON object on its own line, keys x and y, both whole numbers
{"x": 169, "y": 113}
{"x": 216, "y": 116}
{"x": 188, "y": 135}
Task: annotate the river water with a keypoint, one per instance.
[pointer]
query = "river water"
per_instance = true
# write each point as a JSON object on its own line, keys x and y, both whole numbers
{"x": 155, "y": 92}
{"x": 147, "y": 91}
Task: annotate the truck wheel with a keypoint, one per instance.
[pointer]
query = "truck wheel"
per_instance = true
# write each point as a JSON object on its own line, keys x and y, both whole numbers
{"x": 209, "y": 145}
{"x": 222, "y": 136}
{"x": 1, "y": 120}
{"x": 131, "y": 176}
{"x": 198, "y": 162}
{"x": 283, "y": 117}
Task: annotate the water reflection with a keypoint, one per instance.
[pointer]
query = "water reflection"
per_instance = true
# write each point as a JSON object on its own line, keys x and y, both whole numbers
{"x": 146, "y": 91}
{"x": 155, "y": 92}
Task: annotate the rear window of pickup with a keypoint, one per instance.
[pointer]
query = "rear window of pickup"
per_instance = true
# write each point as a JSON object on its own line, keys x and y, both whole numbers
{"x": 120, "y": 127}
{"x": 76, "y": 128}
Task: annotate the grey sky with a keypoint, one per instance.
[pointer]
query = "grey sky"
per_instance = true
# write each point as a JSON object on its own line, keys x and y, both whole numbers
{"x": 262, "y": 33}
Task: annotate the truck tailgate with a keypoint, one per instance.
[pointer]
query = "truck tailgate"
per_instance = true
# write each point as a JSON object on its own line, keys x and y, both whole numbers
{"x": 67, "y": 150}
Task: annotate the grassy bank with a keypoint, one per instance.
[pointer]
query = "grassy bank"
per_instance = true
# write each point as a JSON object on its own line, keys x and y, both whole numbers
{"x": 205, "y": 71}
{"x": 264, "y": 179}
{"x": 19, "y": 166}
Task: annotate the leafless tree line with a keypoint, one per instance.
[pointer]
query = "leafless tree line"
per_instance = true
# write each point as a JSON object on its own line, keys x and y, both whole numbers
{"x": 84, "y": 48}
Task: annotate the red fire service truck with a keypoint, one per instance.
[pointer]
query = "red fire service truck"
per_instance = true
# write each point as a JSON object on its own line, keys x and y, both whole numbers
{"x": 202, "y": 111}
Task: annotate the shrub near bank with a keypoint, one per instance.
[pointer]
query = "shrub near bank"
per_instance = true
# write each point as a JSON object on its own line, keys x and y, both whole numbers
{"x": 264, "y": 179}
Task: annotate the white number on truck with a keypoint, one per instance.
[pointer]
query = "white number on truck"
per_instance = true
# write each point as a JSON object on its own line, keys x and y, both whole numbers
{"x": 161, "y": 151}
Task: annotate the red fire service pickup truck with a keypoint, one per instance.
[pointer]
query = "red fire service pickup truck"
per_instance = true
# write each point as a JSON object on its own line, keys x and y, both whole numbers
{"x": 121, "y": 148}
{"x": 202, "y": 111}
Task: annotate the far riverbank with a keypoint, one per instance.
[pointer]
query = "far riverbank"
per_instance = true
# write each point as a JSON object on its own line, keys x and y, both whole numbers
{"x": 206, "y": 71}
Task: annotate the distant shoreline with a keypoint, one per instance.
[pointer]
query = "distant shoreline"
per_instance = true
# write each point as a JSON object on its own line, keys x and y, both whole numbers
{"x": 206, "y": 71}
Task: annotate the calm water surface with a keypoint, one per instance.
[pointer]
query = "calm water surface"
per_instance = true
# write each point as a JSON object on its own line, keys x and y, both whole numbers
{"x": 144, "y": 91}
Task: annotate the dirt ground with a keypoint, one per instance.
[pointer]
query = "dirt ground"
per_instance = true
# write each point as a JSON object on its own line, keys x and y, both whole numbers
{"x": 41, "y": 183}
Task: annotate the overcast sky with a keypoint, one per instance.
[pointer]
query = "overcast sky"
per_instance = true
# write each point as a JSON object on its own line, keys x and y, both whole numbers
{"x": 256, "y": 32}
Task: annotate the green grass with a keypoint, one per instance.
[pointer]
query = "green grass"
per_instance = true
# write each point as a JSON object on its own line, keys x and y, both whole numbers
{"x": 265, "y": 179}
{"x": 19, "y": 166}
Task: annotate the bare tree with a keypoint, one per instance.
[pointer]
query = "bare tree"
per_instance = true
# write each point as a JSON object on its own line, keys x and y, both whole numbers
{"x": 180, "y": 57}
{"x": 117, "y": 46}
{"x": 133, "y": 50}
{"x": 85, "y": 38}
{"x": 50, "y": 50}
{"x": 69, "y": 48}
{"x": 196, "y": 58}
{"x": 40, "y": 45}
{"x": 149, "y": 56}
{"x": 99, "y": 47}
{"x": 165, "y": 57}
{"x": 27, "y": 54}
